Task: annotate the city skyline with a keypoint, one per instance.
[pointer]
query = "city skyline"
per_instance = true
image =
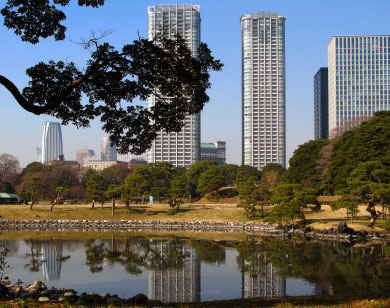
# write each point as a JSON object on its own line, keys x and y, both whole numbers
{"x": 306, "y": 51}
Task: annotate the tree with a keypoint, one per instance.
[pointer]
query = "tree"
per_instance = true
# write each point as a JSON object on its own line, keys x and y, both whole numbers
{"x": 290, "y": 201}
{"x": 303, "y": 165}
{"x": 369, "y": 142}
{"x": 113, "y": 192}
{"x": 253, "y": 192}
{"x": 271, "y": 173}
{"x": 30, "y": 187}
{"x": 349, "y": 202}
{"x": 8, "y": 165}
{"x": 111, "y": 78}
{"x": 9, "y": 173}
{"x": 61, "y": 193}
{"x": 95, "y": 189}
{"x": 244, "y": 172}
{"x": 209, "y": 181}
{"x": 194, "y": 171}
{"x": 178, "y": 190}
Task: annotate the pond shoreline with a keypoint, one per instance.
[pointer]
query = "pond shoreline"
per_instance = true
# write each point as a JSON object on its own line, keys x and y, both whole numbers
{"x": 341, "y": 233}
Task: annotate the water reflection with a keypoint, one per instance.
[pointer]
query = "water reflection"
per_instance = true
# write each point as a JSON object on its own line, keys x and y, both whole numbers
{"x": 170, "y": 270}
{"x": 179, "y": 282}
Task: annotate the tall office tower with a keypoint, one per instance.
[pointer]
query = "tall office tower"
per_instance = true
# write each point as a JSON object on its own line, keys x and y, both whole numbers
{"x": 52, "y": 143}
{"x": 358, "y": 79}
{"x": 179, "y": 282}
{"x": 263, "y": 89}
{"x": 183, "y": 148}
{"x": 321, "y": 104}
{"x": 108, "y": 152}
{"x": 83, "y": 155}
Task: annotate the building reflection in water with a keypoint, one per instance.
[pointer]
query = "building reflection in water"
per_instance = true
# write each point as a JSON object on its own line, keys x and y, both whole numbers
{"x": 263, "y": 280}
{"x": 51, "y": 260}
{"x": 179, "y": 283}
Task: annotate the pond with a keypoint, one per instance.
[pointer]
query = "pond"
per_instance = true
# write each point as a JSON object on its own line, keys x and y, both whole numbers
{"x": 185, "y": 269}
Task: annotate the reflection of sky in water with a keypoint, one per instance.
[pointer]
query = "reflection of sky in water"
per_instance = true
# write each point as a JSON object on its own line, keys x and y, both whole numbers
{"x": 222, "y": 280}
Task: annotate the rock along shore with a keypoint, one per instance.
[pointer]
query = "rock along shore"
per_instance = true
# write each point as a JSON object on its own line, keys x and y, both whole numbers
{"x": 341, "y": 232}
{"x": 40, "y": 293}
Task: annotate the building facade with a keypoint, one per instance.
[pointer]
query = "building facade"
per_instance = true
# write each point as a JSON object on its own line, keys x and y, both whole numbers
{"x": 52, "y": 148}
{"x": 108, "y": 152}
{"x": 263, "y": 89}
{"x": 182, "y": 148}
{"x": 83, "y": 155}
{"x": 321, "y": 104}
{"x": 358, "y": 80}
{"x": 215, "y": 151}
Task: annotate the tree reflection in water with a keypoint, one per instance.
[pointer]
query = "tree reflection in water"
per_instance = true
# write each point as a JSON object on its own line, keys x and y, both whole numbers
{"x": 172, "y": 265}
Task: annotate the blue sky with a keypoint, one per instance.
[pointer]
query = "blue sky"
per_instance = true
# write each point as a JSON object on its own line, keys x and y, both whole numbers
{"x": 309, "y": 27}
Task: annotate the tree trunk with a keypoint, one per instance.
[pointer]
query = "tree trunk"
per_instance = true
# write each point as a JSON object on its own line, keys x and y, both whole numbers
{"x": 93, "y": 203}
{"x": 52, "y": 205}
{"x": 371, "y": 209}
{"x": 113, "y": 206}
{"x": 32, "y": 201}
{"x": 127, "y": 206}
{"x": 102, "y": 203}
{"x": 262, "y": 210}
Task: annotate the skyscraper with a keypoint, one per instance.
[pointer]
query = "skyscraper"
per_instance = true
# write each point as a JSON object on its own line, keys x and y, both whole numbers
{"x": 321, "y": 104}
{"x": 358, "y": 79}
{"x": 183, "y": 148}
{"x": 108, "y": 152}
{"x": 52, "y": 143}
{"x": 263, "y": 89}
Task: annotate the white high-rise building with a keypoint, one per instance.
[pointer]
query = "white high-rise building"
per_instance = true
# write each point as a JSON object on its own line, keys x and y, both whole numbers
{"x": 108, "y": 152}
{"x": 52, "y": 143}
{"x": 182, "y": 148}
{"x": 358, "y": 81}
{"x": 263, "y": 89}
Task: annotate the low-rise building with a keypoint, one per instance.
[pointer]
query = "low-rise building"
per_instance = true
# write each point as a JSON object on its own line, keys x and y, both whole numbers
{"x": 215, "y": 151}
{"x": 100, "y": 165}
{"x": 7, "y": 198}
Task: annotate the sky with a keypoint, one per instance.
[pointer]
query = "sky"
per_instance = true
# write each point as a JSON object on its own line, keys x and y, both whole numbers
{"x": 310, "y": 24}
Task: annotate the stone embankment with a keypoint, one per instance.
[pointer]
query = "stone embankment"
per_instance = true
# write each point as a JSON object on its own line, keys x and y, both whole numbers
{"x": 39, "y": 292}
{"x": 341, "y": 232}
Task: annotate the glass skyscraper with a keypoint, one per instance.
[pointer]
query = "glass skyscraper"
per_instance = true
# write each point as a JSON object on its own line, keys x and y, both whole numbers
{"x": 182, "y": 148}
{"x": 358, "y": 79}
{"x": 263, "y": 89}
{"x": 321, "y": 104}
{"x": 108, "y": 152}
{"x": 52, "y": 143}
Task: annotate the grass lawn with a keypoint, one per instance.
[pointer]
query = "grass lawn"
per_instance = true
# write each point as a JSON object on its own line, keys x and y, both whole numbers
{"x": 326, "y": 218}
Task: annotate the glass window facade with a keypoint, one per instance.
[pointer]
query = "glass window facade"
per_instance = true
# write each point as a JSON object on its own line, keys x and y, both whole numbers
{"x": 321, "y": 104}
{"x": 52, "y": 143}
{"x": 358, "y": 80}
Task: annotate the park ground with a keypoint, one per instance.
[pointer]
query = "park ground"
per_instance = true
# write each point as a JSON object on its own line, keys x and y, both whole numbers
{"x": 289, "y": 302}
{"x": 201, "y": 211}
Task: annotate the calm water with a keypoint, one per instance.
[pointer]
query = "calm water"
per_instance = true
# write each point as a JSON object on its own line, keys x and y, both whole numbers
{"x": 183, "y": 269}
